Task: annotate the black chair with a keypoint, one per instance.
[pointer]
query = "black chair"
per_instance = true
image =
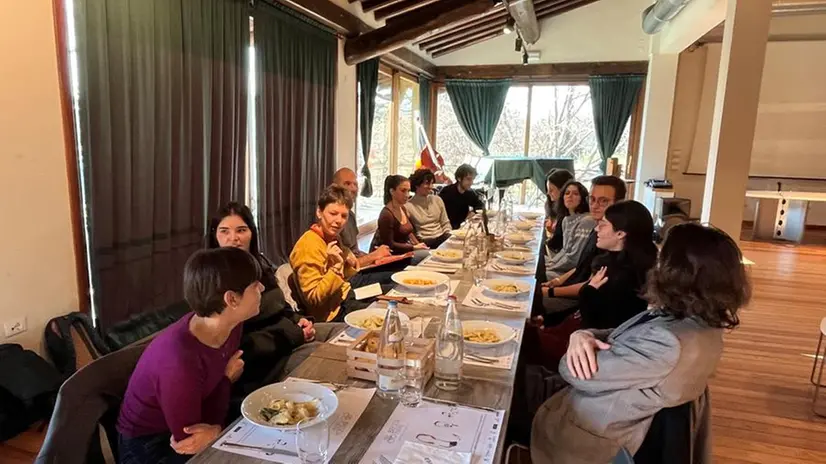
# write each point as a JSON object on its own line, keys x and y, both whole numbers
{"x": 88, "y": 399}
{"x": 677, "y": 435}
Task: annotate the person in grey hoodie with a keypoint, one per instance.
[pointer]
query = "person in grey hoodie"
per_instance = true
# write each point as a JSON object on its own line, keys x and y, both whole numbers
{"x": 576, "y": 225}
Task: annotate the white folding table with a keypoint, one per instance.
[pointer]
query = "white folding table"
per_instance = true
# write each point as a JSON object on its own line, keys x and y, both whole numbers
{"x": 782, "y": 215}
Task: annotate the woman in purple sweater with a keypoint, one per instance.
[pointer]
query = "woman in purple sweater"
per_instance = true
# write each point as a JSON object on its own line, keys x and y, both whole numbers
{"x": 179, "y": 393}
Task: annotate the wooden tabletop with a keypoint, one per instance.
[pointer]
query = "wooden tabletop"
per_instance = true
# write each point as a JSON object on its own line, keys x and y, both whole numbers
{"x": 481, "y": 386}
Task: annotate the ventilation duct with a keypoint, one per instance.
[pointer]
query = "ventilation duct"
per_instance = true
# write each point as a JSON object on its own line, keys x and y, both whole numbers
{"x": 523, "y": 14}
{"x": 655, "y": 16}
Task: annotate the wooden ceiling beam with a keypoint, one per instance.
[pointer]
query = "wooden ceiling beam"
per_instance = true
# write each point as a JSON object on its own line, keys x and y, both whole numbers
{"x": 496, "y": 10}
{"x": 452, "y": 49}
{"x": 462, "y": 32}
{"x": 410, "y": 27}
{"x": 463, "y": 40}
{"x": 401, "y": 8}
{"x": 544, "y": 71}
{"x": 370, "y": 5}
{"x": 559, "y": 8}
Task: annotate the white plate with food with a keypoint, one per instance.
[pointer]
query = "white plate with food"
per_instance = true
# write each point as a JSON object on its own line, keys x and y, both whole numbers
{"x": 506, "y": 287}
{"x": 420, "y": 280}
{"x": 370, "y": 318}
{"x": 524, "y": 225}
{"x": 531, "y": 215}
{"x": 519, "y": 238}
{"x": 514, "y": 257}
{"x": 283, "y": 405}
{"x": 447, "y": 256}
{"x": 483, "y": 334}
{"x": 458, "y": 234}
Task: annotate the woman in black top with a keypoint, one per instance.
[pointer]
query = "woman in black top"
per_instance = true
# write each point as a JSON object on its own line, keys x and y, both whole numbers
{"x": 614, "y": 293}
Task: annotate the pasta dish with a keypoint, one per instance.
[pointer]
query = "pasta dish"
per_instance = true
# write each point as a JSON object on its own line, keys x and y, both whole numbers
{"x": 447, "y": 254}
{"x": 420, "y": 282}
{"x": 371, "y": 323}
{"x": 506, "y": 288}
{"x": 283, "y": 412}
{"x": 482, "y": 336}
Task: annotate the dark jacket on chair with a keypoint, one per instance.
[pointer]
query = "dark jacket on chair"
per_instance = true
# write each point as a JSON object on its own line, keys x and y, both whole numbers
{"x": 89, "y": 398}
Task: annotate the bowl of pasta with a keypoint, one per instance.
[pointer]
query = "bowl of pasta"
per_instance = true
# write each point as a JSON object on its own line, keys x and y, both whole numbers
{"x": 524, "y": 225}
{"x": 447, "y": 256}
{"x": 370, "y": 319}
{"x": 283, "y": 405}
{"x": 514, "y": 257}
{"x": 506, "y": 287}
{"x": 420, "y": 280}
{"x": 519, "y": 238}
{"x": 531, "y": 215}
{"x": 483, "y": 334}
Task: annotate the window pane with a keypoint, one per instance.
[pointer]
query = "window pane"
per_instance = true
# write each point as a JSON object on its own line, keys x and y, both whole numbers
{"x": 451, "y": 141}
{"x": 562, "y": 126}
{"x": 368, "y": 208}
{"x": 408, "y": 143}
{"x": 509, "y": 138}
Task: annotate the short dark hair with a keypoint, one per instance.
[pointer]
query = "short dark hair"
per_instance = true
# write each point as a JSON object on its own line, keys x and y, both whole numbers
{"x": 232, "y": 209}
{"x": 558, "y": 177}
{"x": 700, "y": 274}
{"x": 392, "y": 182}
{"x": 421, "y": 176}
{"x": 210, "y": 273}
{"x": 463, "y": 171}
{"x": 620, "y": 190}
{"x": 335, "y": 194}
{"x": 582, "y": 207}
{"x": 635, "y": 220}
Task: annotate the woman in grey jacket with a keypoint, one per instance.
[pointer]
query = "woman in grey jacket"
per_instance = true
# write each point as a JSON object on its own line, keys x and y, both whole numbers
{"x": 659, "y": 359}
{"x": 570, "y": 237}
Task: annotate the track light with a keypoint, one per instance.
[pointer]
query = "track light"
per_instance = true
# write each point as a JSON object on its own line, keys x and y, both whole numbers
{"x": 524, "y": 57}
{"x": 518, "y": 45}
{"x": 509, "y": 26}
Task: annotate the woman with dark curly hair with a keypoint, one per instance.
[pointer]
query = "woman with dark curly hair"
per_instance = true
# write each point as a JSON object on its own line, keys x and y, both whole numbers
{"x": 427, "y": 211}
{"x": 574, "y": 226}
{"x": 661, "y": 358}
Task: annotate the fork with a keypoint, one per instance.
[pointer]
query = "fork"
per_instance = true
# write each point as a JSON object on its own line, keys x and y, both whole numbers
{"x": 479, "y": 302}
{"x": 384, "y": 460}
{"x": 481, "y": 359}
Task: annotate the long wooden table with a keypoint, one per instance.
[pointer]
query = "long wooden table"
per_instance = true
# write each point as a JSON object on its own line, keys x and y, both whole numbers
{"x": 481, "y": 386}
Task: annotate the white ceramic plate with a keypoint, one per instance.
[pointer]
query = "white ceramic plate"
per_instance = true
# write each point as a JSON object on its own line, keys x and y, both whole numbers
{"x": 458, "y": 234}
{"x": 356, "y": 318}
{"x": 531, "y": 215}
{"x": 447, "y": 256}
{"x": 502, "y": 331}
{"x": 525, "y": 225}
{"x": 491, "y": 284}
{"x": 514, "y": 257}
{"x": 403, "y": 278}
{"x": 292, "y": 391}
{"x": 519, "y": 238}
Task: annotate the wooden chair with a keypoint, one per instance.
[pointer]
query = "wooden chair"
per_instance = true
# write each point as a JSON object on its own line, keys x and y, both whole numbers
{"x": 818, "y": 355}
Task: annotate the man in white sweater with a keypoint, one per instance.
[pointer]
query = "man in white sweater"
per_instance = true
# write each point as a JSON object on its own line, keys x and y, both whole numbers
{"x": 426, "y": 211}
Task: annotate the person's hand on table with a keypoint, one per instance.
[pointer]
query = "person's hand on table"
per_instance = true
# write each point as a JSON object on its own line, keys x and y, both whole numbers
{"x": 308, "y": 328}
{"x": 555, "y": 282}
{"x": 581, "y": 356}
{"x": 200, "y": 436}
{"x": 421, "y": 246}
{"x": 599, "y": 279}
{"x": 382, "y": 251}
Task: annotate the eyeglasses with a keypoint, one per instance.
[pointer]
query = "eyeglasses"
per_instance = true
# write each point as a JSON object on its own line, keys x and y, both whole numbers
{"x": 601, "y": 201}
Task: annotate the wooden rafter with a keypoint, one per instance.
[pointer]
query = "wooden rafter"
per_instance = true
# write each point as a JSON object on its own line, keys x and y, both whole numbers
{"x": 410, "y": 27}
{"x": 465, "y": 39}
{"x": 401, "y": 8}
{"x": 468, "y": 44}
{"x": 466, "y": 22}
{"x": 461, "y": 31}
{"x": 370, "y": 5}
{"x": 544, "y": 71}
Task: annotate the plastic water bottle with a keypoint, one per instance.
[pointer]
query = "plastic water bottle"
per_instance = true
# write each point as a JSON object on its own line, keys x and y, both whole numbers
{"x": 450, "y": 349}
{"x": 390, "y": 357}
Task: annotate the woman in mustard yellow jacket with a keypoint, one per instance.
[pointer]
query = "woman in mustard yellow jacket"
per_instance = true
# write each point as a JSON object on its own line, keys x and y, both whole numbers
{"x": 322, "y": 268}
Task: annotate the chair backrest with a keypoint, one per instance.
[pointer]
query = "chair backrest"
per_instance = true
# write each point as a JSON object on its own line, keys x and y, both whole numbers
{"x": 675, "y": 434}
{"x": 89, "y": 398}
{"x": 282, "y": 276}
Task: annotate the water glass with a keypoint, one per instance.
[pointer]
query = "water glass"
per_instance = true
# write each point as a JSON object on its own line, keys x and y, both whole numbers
{"x": 413, "y": 375}
{"x": 312, "y": 441}
{"x": 480, "y": 273}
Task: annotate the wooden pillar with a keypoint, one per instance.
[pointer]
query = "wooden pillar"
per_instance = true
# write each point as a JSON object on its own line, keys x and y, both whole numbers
{"x": 656, "y": 120}
{"x": 735, "y": 112}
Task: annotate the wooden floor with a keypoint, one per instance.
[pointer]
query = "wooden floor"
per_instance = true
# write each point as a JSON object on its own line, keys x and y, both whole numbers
{"x": 761, "y": 395}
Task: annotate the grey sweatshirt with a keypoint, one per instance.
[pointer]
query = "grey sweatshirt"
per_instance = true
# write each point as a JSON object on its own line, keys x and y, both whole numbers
{"x": 428, "y": 216}
{"x": 575, "y": 231}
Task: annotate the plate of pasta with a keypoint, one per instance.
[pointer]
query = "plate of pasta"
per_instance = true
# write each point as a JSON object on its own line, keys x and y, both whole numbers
{"x": 506, "y": 287}
{"x": 486, "y": 333}
{"x": 370, "y": 319}
{"x": 283, "y": 405}
{"x": 420, "y": 280}
{"x": 447, "y": 256}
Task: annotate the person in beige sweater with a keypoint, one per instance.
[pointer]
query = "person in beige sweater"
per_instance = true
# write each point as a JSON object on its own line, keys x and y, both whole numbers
{"x": 427, "y": 211}
{"x": 322, "y": 268}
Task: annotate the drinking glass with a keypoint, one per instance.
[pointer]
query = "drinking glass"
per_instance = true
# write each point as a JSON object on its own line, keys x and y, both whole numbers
{"x": 413, "y": 375}
{"x": 480, "y": 273}
{"x": 312, "y": 441}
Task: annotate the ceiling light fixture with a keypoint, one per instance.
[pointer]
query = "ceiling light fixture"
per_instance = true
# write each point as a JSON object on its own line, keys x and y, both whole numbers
{"x": 524, "y": 57}
{"x": 509, "y": 26}
{"x": 518, "y": 45}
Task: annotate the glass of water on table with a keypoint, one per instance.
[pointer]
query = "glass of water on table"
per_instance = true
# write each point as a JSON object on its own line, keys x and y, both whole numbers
{"x": 413, "y": 377}
{"x": 312, "y": 441}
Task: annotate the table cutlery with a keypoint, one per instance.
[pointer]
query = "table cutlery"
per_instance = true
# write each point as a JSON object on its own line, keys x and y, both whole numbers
{"x": 497, "y": 304}
{"x": 481, "y": 359}
{"x": 264, "y": 449}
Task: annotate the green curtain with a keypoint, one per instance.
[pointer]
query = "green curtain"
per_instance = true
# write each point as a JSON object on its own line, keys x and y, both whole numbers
{"x": 478, "y": 106}
{"x": 162, "y": 125}
{"x": 295, "y": 60}
{"x": 613, "y": 99}
{"x": 367, "y": 73}
{"x": 424, "y": 106}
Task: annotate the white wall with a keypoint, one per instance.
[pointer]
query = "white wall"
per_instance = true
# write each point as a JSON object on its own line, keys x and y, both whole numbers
{"x": 789, "y": 138}
{"x": 346, "y": 112}
{"x": 608, "y": 30}
{"x": 37, "y": 271}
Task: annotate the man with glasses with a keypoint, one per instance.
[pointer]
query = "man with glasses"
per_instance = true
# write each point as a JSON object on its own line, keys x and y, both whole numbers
{"x": 560, "y": 294}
